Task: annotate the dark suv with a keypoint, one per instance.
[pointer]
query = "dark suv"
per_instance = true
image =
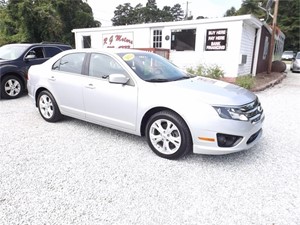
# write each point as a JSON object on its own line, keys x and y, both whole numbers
{"x": 15, "y": 60}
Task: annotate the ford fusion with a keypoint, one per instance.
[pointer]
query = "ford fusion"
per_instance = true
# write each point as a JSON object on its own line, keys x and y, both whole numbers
{"x": 144, "y": 94}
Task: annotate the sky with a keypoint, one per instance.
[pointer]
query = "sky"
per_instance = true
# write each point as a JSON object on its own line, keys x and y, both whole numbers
{"x": 104, "y": 12}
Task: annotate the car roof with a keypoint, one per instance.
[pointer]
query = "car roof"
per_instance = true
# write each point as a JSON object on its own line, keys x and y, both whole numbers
{"x": 105, "y": 50}
{"x": 37, "y": 44}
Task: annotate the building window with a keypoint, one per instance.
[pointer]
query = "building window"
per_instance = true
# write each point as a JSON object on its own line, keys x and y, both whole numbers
{"x": 182, "y": 40}
{"x": 157, "y": 39}
{"x": 86, "y": 41}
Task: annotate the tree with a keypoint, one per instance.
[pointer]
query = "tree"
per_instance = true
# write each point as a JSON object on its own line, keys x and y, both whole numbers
{"x": 123, "y": 15}
{"x": 177, "y": 12}
{"x": 251, "y": 7}
{"x": 230, "y": 12}
{"x": 200, "y": 17}
{"x": 166, "y": 15}
{"x": 288, "y": 20}
{"x": 126, "y": 14}
{"x": 151, "y": 12}
{"x": 43, "y": 20}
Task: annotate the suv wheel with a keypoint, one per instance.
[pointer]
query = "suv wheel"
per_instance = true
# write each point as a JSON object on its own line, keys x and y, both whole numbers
{"x": 11, "y": 87}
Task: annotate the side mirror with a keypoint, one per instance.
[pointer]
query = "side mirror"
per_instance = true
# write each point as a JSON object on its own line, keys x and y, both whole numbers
{"x": 118, "y": 79}
{"x": 30, "y": 57}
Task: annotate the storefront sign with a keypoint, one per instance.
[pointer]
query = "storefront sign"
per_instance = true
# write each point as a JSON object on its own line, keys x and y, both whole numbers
{"x": 216, "y": 40}
{"x": 119, "y": 40}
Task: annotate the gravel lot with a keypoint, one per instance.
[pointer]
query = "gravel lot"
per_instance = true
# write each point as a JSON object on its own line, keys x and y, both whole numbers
{"x": 73, "y": 172}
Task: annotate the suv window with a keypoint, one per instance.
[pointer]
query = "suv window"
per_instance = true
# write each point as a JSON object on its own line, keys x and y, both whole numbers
{"x": 51, "y": 51}
{"x": 71, "y": 63}
{"x": 37, "y": 52}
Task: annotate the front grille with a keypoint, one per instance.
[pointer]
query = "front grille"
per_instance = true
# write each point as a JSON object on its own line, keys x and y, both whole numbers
{"x": 253, "y": 111}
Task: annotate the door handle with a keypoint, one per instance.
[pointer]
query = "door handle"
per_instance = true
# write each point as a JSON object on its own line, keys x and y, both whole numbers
{"x": 52, "y": 78}
{"x": 90, "y": 86}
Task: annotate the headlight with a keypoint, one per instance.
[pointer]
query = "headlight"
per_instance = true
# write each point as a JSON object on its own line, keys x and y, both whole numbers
{"x": 231, "y": 113}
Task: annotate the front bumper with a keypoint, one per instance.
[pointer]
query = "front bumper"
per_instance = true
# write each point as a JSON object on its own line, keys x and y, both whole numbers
{"x": 296, "y": 68}
{"x": 250, "y": 133}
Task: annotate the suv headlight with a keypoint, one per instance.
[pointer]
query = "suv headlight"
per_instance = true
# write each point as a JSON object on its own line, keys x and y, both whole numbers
{"x": 231, "y": 113}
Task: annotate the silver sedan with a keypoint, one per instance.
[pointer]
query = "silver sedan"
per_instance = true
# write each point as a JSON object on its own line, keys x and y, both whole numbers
{"x": 144, "y": 94}
{"x": 295, "y": 64}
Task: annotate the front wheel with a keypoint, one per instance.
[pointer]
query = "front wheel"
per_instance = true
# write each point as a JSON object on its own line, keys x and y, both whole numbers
{"x": 48, "y": 107}
{"x": 11, "y": 87}
{"x": 168, "y": 135}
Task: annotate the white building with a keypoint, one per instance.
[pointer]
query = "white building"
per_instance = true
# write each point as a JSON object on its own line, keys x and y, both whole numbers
{"x": 238, "y": 44}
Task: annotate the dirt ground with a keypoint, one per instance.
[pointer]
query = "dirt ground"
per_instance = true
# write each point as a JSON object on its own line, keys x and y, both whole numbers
{"x": 264, "y": 80}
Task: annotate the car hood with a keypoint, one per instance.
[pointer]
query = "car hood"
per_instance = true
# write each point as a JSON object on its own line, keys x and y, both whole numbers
{"x": 4, "y": 61}
{"x": 210, "y": 91}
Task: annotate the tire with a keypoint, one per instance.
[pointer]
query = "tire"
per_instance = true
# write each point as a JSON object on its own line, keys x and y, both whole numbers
{"x": 48, "y": 107}
{"x": 11, "y": 87}
{"x": 168, "y": 135}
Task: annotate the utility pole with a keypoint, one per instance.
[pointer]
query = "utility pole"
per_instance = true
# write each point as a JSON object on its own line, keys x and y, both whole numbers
{"x": 187, "y": 10}
{"x": 272, "y": 43}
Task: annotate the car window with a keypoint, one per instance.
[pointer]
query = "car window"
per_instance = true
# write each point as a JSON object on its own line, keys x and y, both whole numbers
{"x": 37, "y": 52}
{"x": 151, "y": 67}
{"x": 71, "y": 63}
{"x": 51, "y": 51}
{"x": 102, "y": 65}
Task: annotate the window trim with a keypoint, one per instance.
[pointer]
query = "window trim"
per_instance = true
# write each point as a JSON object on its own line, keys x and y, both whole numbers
{"x": 174, "y": 47}
{"x": 157, "y": 38}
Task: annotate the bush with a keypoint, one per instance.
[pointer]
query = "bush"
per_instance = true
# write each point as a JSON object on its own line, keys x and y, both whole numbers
{"x": 246, "y": 81}
{"x": 213, "y": 71}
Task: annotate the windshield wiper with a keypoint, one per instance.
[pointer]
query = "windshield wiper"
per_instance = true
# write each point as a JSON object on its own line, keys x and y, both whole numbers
{"x": 158, "y": 80}
{"x": 182, "y": 78}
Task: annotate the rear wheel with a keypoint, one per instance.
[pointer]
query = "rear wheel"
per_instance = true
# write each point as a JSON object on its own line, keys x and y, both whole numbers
{"x": 11, "y": 87}
{"x": 48, "y": 107}
{"x": 168, "y": 135}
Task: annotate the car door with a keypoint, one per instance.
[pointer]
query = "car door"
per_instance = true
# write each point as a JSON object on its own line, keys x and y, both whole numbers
{"x": 110, "y": 104}
{"x": 66, "y": 84}
{"x": 33, "y": 56}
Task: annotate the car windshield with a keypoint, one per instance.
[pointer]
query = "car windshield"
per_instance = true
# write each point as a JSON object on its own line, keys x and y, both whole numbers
{"x": 152, "y": 67}
{"x": 11, "y": 52}
{"x": 298, "y": 55}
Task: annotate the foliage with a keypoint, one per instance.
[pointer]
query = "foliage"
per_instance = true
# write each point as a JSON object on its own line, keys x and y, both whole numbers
{"x": 246, "y": 81}
{"x": 213, "y": 71}
{"x": 251, "y": 7}
{"x": 289, "y": 22}
{"x": 288, "y": 19}
{"x": 230, "y": 12}
{"x": 44, "y": 21}
{"x": 126, "y": 14}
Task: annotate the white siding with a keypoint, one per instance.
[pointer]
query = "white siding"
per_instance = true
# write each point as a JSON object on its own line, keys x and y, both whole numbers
{"x": 241, "y": 31}
{"x": 141, "y": 37}
{"x": 228, "y": 60}
{"x": 247, "y": 46}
